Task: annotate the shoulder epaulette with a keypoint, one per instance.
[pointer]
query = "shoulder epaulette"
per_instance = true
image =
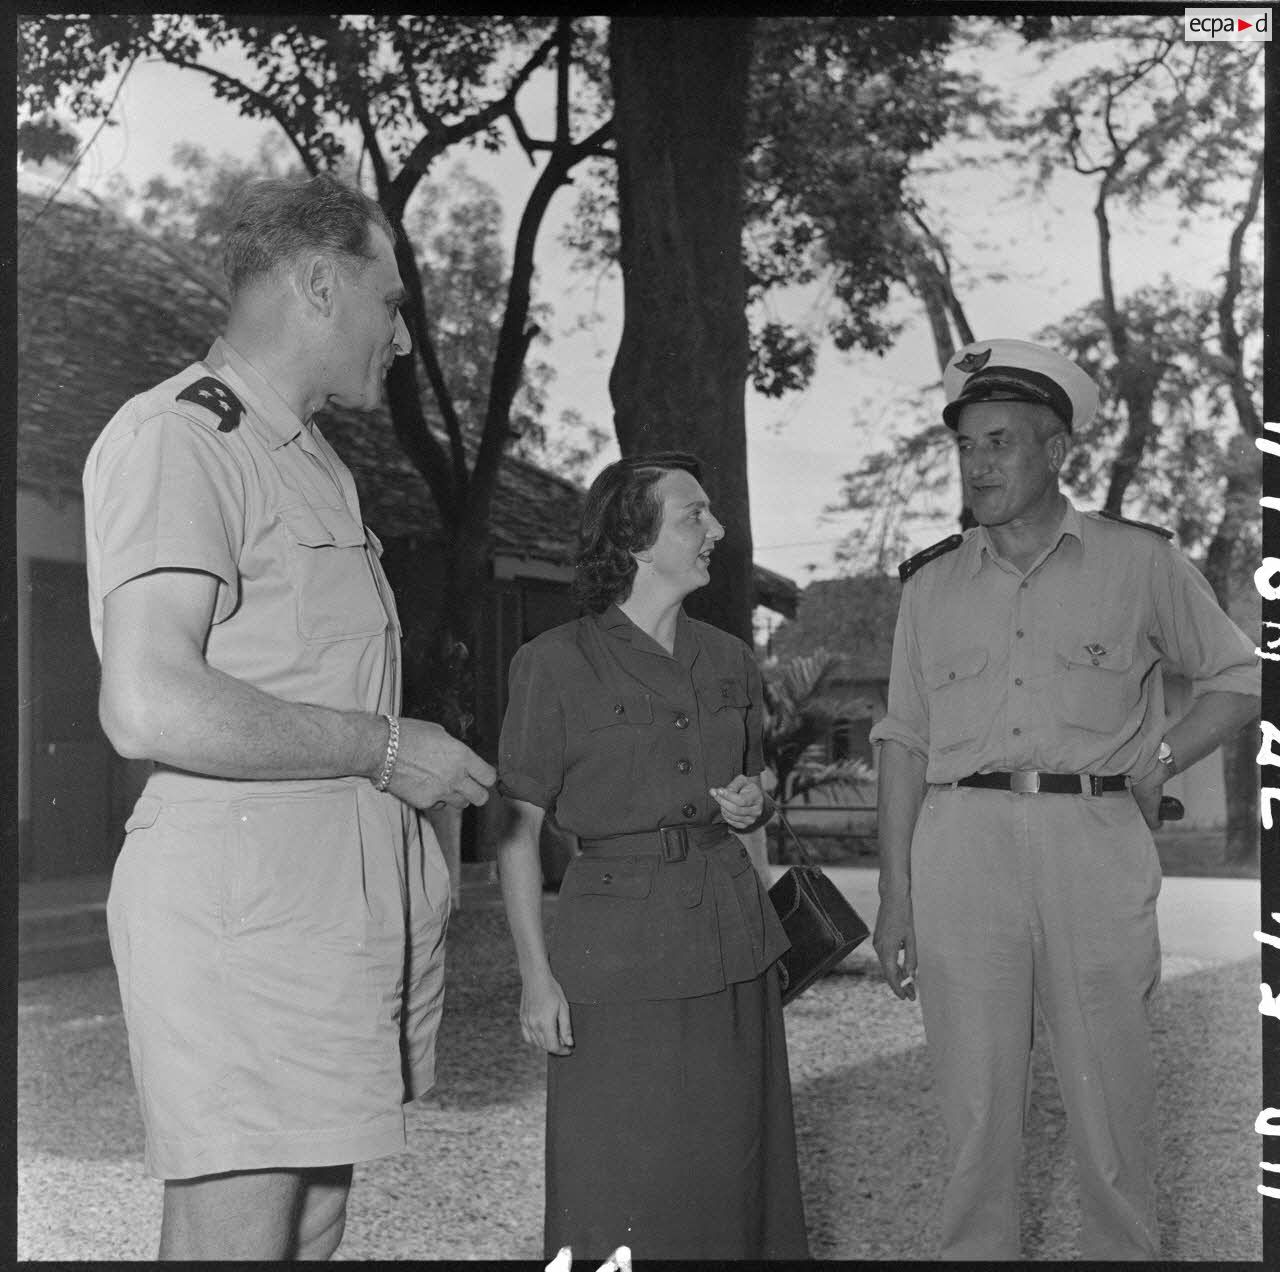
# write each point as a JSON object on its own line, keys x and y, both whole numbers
{"x": 912, "y": 564}
{"x": 1141, "y": 525}
{"x": 214, "y": 396}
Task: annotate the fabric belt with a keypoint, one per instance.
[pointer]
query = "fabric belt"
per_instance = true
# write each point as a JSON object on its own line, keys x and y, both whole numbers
{"x": 1034, "y": 782}
{"x": 672, "y": 842}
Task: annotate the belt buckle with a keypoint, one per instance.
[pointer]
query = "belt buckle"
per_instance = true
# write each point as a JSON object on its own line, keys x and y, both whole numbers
{"x": 1025, "y": 781}
{"x": 675, "y": 842}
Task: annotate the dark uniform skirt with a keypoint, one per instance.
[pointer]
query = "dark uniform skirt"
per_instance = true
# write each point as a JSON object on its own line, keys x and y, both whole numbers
{"x": 669, "y": 1130}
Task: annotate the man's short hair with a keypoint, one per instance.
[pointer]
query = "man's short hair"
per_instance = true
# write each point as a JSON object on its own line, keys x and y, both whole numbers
{"x": 273, "y": 221}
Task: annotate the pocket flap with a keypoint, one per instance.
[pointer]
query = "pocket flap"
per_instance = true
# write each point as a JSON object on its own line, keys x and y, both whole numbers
{"x": 1108, "y": 655}
{"x": 144, "y": 814}
{"x": 728, "y": 691}
{"x": 600, "y": 710}
{"x": 630, "y": 877}
{"x": 958, "y": 666}
{"x": 322, "y": 527}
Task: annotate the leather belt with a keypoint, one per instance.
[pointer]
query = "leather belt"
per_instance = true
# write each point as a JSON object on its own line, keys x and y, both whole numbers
{"x": 1033, "y": 782}
{"x": 671, "y": 841}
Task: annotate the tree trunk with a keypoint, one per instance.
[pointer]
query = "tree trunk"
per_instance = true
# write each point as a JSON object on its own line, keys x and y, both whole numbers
{"x": 679, "y": 379}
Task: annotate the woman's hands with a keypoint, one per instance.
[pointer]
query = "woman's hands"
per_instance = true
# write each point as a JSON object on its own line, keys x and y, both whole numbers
{"x": 544, "y": 1014}
{"x": 741, "y": 802}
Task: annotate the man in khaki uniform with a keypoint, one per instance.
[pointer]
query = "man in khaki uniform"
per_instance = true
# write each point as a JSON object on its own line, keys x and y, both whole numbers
{"x": 278, "y": 910}
{"x": 1022, "y": 759}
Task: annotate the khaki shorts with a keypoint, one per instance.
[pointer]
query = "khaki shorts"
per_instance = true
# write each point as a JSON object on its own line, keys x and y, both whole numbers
{"x": 280, "y": 950}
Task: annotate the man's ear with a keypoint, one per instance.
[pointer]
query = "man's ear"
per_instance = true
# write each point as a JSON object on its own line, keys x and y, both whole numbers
{"x": 1059, "y": 445}
{"x": 644, "y": 554}
{"x": 317, "y": 279}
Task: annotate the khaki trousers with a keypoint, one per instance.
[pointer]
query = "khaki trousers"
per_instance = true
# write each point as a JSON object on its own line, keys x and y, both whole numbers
{"x": 1048, "y": 899}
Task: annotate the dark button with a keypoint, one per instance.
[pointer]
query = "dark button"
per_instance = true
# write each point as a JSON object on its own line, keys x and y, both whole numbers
{"x": 606, "y": 878}
{"x": 682, "y": 721}
{"x": 1017, "y": 680}
{"x": 683, "y": 765}
{"x": 951, "y": 675}
{"x": 617, "y": 707}
{"x": 1017, "y": 732}
{"x": 742, "y": 852}
{"x": 1018, "y": 632}
{"x": 689, "y": 809}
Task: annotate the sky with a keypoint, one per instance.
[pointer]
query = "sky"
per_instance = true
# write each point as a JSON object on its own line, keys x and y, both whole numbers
{"x": 798, "y": 446}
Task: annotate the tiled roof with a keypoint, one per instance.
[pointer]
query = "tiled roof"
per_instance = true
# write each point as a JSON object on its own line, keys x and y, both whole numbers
{"x": 106, "y": 310}
{"x": 103, "y": 313}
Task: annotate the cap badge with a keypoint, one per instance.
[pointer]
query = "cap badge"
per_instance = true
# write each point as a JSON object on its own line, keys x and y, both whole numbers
{"x": 1095, "y": 651}
{"x": 972, "y": 362}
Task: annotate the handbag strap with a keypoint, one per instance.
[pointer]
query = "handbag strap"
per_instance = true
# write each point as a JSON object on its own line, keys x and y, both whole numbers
{"x": 806, "y": 857}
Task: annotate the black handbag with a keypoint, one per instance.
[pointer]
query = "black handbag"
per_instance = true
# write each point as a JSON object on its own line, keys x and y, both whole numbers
{"x": 821, "y": 925}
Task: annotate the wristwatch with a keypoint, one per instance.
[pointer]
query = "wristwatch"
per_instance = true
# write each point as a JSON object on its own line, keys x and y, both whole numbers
{"x": 1165, "y": 756}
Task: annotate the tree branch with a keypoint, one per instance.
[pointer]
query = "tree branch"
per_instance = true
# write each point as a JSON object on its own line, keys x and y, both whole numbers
{"x": 1228, "y": 335}
{"x": 260, "y": 99}
{"x": 440, "y": 136}
{"x": 513, "y": 339}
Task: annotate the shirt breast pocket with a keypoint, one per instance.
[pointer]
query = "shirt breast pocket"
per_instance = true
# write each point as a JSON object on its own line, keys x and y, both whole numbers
{"x": 1099, "y": 685}
{"x": 723, "y": 707}
{"x": 722, "y": 694}
{"x": 958, "y": 700}
{"x": 337, "y": 597}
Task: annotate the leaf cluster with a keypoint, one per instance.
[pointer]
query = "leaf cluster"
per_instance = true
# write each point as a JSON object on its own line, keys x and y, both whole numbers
{"x": 1174, "y": 350}
{"x": 319, "y": 76}
{"x": 840, "y": 107}
{"x": 1151, "y": 113}
{"x": 798, "y": 714}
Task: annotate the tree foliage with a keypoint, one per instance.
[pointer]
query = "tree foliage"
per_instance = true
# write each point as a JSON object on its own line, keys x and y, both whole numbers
{"x": 854, "y": 615}
{"x": 839, "y": 108}
{"x": 387, "y": 95}
{"x": 799, "y": 712}
{"x": 1151, "y": 121}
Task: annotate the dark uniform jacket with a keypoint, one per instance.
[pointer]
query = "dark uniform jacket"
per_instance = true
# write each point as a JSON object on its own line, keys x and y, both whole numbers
{"x": 614, "y": 736}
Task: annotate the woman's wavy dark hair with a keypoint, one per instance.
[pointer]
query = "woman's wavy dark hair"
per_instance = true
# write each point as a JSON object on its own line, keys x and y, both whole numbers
{"x": 622, "y": 515}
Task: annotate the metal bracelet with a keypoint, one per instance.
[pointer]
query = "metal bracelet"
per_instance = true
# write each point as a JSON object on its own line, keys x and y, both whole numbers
{"x": 393, "y": 750}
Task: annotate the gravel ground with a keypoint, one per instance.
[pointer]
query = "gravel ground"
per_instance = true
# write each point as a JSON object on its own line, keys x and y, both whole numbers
{"x": 470, "y": 1185}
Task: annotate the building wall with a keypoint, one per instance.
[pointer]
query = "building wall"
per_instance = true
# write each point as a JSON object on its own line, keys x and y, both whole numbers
{"x": 51, "y": 529}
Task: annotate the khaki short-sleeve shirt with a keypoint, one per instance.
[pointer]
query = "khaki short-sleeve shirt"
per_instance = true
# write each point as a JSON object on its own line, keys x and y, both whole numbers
{"x": 1057, "y": 669}
{"x": 303, "y": 609}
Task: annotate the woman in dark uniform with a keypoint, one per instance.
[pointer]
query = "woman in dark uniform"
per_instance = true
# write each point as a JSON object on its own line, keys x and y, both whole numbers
{"x": 669, "y": 1122}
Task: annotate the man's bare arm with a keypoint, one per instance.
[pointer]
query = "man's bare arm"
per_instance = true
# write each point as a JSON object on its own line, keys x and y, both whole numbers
{"x": 901, "y": 793}
{"x": 1214, "y": 718}
{"x": 161, "y": 700}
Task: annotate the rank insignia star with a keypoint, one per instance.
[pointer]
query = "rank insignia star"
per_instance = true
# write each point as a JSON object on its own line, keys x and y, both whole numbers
{"x": 214, "y": 396}
{"x": 972, "y": 362}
